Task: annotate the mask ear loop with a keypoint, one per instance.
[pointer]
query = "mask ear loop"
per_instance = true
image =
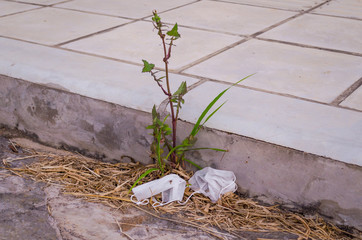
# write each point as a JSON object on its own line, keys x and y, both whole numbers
{"x": 183, "y": 203}
{"x": 143, "y": 202}
{"x": 233, "y": 182}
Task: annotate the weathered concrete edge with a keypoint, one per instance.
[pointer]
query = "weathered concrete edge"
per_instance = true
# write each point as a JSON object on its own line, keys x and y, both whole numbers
{"x": 108, "y": 131}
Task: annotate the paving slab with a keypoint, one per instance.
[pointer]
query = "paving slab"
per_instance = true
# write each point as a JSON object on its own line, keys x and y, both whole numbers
{"x": 7, "y": 8}
{"x": 321, "y": 31}
{"x": 302, "y": 72}
{"x": 294, "y": 5}
{"x": 53, "y": 26}
{"x": 42, "y": 2}
{"x": 323, "y": 130}
{"x": 130, "y": 9}
{"x": 121, "y": 43}
{"x": 226, "y": 17}
{"x": 354, "y": 100}
{"x": 90, "y": 76}
{"x": 342, "y": 8}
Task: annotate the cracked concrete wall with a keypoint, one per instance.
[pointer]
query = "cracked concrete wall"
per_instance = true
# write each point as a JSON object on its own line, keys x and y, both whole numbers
{"x": 106, "y": 131}
{"x": 64, "y": 120}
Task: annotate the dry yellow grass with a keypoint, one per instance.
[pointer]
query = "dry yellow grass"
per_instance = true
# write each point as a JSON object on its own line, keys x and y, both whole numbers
{"x": 110, "y": 184}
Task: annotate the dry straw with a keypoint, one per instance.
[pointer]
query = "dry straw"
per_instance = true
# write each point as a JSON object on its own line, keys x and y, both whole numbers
{"x": 110, "y": 184}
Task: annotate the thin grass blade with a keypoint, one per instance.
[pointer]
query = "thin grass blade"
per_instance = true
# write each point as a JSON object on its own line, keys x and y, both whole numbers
{"x": 211, "y": 104}
{"x": 143, "y": 176}
{"x": 207, "y": 148}
{"x": 192, "y": 163}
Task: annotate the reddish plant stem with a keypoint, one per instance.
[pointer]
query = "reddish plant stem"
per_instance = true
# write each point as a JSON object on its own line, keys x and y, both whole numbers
{"x": 167, "y": 55}
{"x": 159, "y": 84}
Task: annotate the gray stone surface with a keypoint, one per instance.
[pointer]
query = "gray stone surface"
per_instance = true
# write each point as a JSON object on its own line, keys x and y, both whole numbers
{"x": 320, "y": 31}
{"x": 75, "y": 121}
{"x": 233, "y": 18}
{"x": 354, "y": 100}
{"x": 294, "y": 5}
{"x": 302, "y": 72}
{"x": 52, "y": 26}
{"x": 342, "y": 8}
{"x": 122, "y": 44}
{"x": 42, "y": 2}
{"x": 130, "y": 9}
{"x": 319, "y": 129}
{"x": 23, "y": 210}
{"x": 7, "y": 8}
{"x": 112, "y": 81}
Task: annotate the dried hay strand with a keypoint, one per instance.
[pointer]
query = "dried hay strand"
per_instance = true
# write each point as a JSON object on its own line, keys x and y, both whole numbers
{"x": 110, "y": 183}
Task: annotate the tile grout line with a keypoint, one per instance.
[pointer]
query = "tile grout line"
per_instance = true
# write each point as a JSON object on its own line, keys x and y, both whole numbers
{"x": 259, "y": 6}
{"x": 309, "y": 46}
{"x": 204, "y": 79}
{"x": 94, "y": 33}
{"x": 200, "y": 78}
{"x": 209, "y": 56}
{"x": 25, "y": 11}
{"x": 335, "y": 16}
{"x": 170, "y": 9}
{"x": 289, "y": 19}
{"x": 132, "y": 20}
{"x": 202, "y": 59}
{"x": 346, "y": 93}
{"x": 252, "y": 36}
{"x": 93, "y": 13}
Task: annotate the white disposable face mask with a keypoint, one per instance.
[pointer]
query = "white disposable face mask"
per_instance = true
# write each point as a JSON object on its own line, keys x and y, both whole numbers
{"x": 213, "y": 183}
{"x": 171, "y": 186}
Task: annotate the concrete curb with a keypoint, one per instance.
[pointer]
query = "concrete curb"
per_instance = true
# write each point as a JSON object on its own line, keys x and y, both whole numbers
{"x": 107, "y": 131}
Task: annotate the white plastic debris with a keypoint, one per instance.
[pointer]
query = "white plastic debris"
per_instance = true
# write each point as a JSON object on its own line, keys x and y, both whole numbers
{"x": 171, "y": 186}
{"x": 213, "y": 183}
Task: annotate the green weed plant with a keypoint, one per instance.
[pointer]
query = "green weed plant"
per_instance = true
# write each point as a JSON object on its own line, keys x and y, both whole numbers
{"x": 164, "y": 149}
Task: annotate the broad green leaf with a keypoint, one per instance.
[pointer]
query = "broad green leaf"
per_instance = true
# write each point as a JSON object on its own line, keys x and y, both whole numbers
{"x": 143, "y": 176}
{"x": 182, "y": 90}
{"x": 147, "y": 67}
{"x": 173, "y": 32}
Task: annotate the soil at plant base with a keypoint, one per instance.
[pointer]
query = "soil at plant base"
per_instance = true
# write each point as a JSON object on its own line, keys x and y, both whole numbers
{"x": 36, "y": 210}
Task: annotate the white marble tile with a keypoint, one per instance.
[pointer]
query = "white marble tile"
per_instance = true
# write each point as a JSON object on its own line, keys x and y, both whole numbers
{"x": 303, "y": 72}
{"x": 103, "y": 79}
{"x": 124, "y": 8}
{"x": 226, "y": 17}
{"x": 343, "y": 8}
{"x": 294, "y": 5}
{"x": 14, "y": 7}
{"x": 314, "y": 128}
{"x": 137, "y": 41}
{"x": 53, "y": 26}
{"x": 321, "y": 31}
{"x": 354, "y": 100}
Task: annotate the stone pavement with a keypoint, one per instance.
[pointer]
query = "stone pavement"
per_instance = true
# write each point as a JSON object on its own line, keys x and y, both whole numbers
{"x": 306, "y": 56}
{"x": 306, "y": 93}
